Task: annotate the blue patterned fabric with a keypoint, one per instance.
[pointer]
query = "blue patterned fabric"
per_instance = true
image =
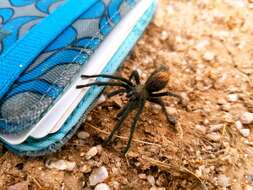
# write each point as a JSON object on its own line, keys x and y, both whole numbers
{"x": 53, "y": 142}
{"x": 50, "y": 73}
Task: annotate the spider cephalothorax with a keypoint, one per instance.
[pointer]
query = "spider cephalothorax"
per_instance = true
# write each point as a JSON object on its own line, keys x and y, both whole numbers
{"x": 138, "y": 94}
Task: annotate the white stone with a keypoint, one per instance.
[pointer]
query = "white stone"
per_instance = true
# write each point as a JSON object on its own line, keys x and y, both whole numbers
{"x": 98, "y": 176}
{"x": 157, "y": 188}
{"x": 235, "y": 3}
{"x": 101, "y": 99}
{"x": 85, "y": 169}
{"x": 170, "y": 9}
{"x": 91, "y": 153}
{"x": 201, "y": 128}
{"x": 245, "y": 132}
{"x": 151, "y": 180}
{"x": 89, "y": 118}
{"x": 238, "y": 125}
{"x": 83, "y": 135}
{"x": 216, "y": 127}
{"x": 99, "y": 149}
{"x": 19, "y": 186}
{"x": 214, "y": 136}
{"x": 102, "y": 186}
{"x": 248, "y": 143}
{"x": 164, "y": 35}
{"x": 223, "y": 181}
{"x": 61, "y": 165}
{"x": 142, "y": 176}
{"x": 202, "y": 44}
{"x": 171, "y": 110}
{"x": 250, "y": 6}
{"x": 248, "y": 187}
{"x": 246, "y": 117}
{"x": 208, "y": 56}
{"x": 232, "y": 97}
{"x": 115, "y": 185}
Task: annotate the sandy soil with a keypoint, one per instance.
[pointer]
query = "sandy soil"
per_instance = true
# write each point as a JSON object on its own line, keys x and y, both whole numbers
{"x": 207, "y": 45}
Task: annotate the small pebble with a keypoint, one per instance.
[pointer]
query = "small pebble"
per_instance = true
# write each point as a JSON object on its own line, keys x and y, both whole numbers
{"x": 171, "y": 110}
{"x": 19, "y": 186}
{"x": 115, "y": 185}
{"x": 250, "y": 6}
{"x": 238, "y": 125}
{"x": 208, "y": 56}
{"x": 98, "y": 176}
{"x": 250, "y": 143}
{"x": 91, "y": 153}
{"x": 245, "y": 132}
{"x": 185, "y": 97}
{"x": 157, "y": 188}
{"x": 232, "y": 97}
{"x": 102, "y": 186}
{"x": 223, "y": 180}
{"x": 142, "y": 176}
{"x": 85, "y": 169}
{"x": 89, "y": 118}
{"x": 226, "y": 107}
{"x": 249, "y": 176}
{"x": 151, "y": 180}
{"x": 82, "y": 154}
{"x": 199, "y": 171}
{"x": 221, "y": 101}
{"x": 228, "y": 117}
{"x": 214, "y": 136}
{"x": 115, "y": 170}
{"x": 164, "y": 35}
{"x": 99, "y": 149}
{"x": 83, "y": 135}
{"x": 246, "y": 118}
{"x": 202, "y": 44}
{"x": 101, "y": 99}
{"x": 248, "y": 187}
{"x": 170, "y": 9}
{"x": 215, "y": 128}
{"x": 61, "y": 165}
{"x": 201, "y": 128}
{"x": 235, "y": 3}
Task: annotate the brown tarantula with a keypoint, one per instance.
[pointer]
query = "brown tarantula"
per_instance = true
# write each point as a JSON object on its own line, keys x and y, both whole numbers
{"x": 138, "y": 94}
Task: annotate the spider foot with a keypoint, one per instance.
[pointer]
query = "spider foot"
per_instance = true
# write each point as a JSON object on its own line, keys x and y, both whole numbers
{"x": 174, "y": 128}
{"x": 173, "y": 122}
{"x": 125, "y": 150}
{"x": 183, "y": 103}
{"x": 107, "y": 142}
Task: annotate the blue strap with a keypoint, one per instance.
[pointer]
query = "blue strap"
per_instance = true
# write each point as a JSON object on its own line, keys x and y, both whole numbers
{"x": 25, "y": 50}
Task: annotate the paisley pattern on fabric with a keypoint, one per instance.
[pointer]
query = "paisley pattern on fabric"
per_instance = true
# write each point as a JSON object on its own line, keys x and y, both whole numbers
{"x": 52, "y": 71}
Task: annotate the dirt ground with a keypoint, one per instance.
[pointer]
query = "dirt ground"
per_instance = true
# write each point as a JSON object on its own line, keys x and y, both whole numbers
{"x": 208, "y": 46}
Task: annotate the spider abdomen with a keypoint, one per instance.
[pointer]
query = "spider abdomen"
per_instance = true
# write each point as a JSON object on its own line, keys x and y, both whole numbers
{"x": 157, "y": 81}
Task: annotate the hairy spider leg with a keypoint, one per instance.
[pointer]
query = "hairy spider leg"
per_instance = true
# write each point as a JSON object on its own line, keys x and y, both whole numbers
{"x": 122, "y": 111}
{"x": 167, "y": 94}
{"x": 135, "y": 75}
{"x": 124, "y": 108}
{"x": 110, "y": 77}
{"x": 169, "y": 118}
{"x": 133, "y": 127}
{"x": 130, "y": 107}
{"x": 116, "y": 92}
{"x": 99, "y": 83}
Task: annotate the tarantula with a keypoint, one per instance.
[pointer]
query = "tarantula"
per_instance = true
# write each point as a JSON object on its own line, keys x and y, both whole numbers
{"x": 138, "y": 94}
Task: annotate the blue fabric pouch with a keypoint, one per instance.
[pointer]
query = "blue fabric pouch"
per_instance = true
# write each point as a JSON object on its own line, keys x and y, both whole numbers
{"x": 45, "y": 45}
